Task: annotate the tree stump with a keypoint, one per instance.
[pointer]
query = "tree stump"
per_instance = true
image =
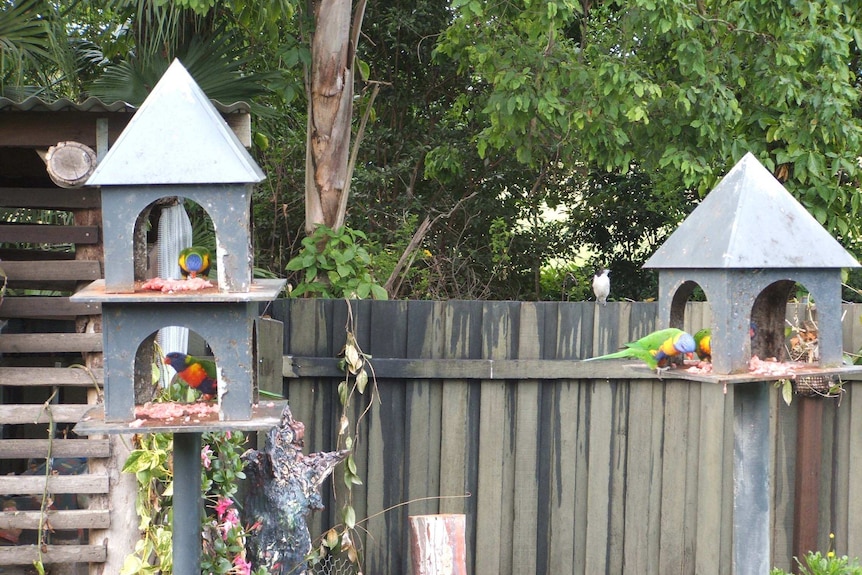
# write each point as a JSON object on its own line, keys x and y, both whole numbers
{"x": 282, "y": 489}
{"x": 438, "y": 544}
{"x": 70, "y": 164}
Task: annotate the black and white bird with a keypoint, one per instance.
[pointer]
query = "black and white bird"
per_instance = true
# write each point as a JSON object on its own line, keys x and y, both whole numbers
{"x": 602, "y": 286}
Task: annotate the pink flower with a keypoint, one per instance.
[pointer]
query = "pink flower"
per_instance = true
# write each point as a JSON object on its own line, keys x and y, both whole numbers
{"x": 206, "y": 452}
{"x": 222, "y": 506}
{"x": 243, "y": 566}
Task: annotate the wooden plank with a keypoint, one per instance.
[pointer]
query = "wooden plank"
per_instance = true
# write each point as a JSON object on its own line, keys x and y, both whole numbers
{"x": 641, "y": 457}
{"x": 673, "y": 464}
{"x": 26, "y": 448}
{"x": 710, "y": 475}
{"x": 618, "y": 477}
{"x": 46, "y": 308}
{"x": 424, "y": 405}
{"x": 50, "y": 198}
{"x": 34, "y": 270}
{"x": 50, "y": 343}
{"x": 32, "y": 413}
{"x": 56, "y": 519}
{"x": 599, "y": 464}
{"x": 854, "y": 491}
{"x": 565, "y": 459}
{"x": 74, "y": 376}
{"x": 27, "y": 554}
{"x": 462, "y": 331}
{"x": 48, "y": 234}
{"x": 42, "y": 129}
{"x": 386, "y": 447}
{"x": 692, "y": 456}
{"x": 494, "y": 444}
{"x": 35, "y": 484}
{"x": 527, "y": 404}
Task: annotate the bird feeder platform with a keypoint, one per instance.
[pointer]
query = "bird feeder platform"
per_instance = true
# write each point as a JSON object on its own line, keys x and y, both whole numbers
{"x": 259, "y": 290}
{"x": 265, "y": 415}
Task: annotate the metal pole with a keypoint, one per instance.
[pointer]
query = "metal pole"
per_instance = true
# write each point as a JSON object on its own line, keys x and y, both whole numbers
{"x": 187, "y": 503}
{"x": 751, "y": 469}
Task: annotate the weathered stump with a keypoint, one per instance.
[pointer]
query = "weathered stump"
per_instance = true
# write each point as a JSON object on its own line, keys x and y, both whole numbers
{"x": 282, "y": 489}
{"x": 438, "y": 544}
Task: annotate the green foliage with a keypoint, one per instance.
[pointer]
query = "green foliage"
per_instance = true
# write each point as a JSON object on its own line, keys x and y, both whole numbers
{"x": 683, "y": 103}
{"x": 334, "y": 264}
{"x": 221, "y": 470}
{"x": 829, "y": 563}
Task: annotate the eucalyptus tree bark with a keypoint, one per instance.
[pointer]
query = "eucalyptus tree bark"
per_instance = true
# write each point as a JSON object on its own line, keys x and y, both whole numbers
{"x": 330, "y": 109}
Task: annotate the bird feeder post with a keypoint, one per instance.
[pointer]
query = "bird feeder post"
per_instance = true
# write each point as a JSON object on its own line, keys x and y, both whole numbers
{"x": 187, "y": 503}
{"x": 752, "y": 456}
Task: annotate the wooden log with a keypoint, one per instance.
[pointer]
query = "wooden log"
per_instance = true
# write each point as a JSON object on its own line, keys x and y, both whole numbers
{"x": 70, "y": 163}
{"x": 39, "y": 376}
{"x": 50, "y": 342}
{"x": 438, "y": 544}
{"x": 56, "y": 519}
{"x": 35, "y": 484}
{"x": 283, "y": 490}
{"x": 26, "y": 448}
{"x": 49, "y": 234}
{"x": 46, "y": 308}
{"x": 46, "y": 271}
{"x": 50, "y": 198}
{"x": 27, "y": 554}
{"x": 36, "y": 413}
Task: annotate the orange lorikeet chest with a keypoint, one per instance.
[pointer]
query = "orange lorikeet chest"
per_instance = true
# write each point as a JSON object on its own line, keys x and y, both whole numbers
{"x": 194, "y": 375}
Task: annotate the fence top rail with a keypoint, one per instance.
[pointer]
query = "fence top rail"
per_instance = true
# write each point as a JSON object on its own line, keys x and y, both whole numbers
{"x": 511, "y": 369}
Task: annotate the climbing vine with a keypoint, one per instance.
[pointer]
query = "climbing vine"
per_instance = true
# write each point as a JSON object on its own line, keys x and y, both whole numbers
{"x": 342, "y": 539}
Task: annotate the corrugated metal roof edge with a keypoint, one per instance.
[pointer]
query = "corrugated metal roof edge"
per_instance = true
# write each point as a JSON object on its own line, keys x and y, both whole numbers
{"x": 92, "y": 104}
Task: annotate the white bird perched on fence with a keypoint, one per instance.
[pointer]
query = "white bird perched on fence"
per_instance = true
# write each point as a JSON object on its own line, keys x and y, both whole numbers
{"x": 602, "y": 286}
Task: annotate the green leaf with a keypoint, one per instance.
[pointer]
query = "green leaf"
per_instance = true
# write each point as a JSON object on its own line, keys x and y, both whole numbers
{"x": 349, "y": 516}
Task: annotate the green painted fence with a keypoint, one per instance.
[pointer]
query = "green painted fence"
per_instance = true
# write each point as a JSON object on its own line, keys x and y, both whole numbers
{"x": 561, "y": 467}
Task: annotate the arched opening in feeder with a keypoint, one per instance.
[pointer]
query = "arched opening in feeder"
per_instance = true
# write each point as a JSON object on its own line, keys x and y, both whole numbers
{"x": 679, "y": 306}
{"x": 160, "y": 367}
{"x": 169, "y": 219}
{"x": 775, "y": 333}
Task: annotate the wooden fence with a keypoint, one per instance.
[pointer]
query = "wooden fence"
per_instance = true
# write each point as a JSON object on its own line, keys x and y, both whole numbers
{"x": 560, "y": 467}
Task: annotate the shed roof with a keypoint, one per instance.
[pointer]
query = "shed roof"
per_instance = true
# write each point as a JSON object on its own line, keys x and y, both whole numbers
{"x": 176, "y": 137}
{"x": 750, "y": 221}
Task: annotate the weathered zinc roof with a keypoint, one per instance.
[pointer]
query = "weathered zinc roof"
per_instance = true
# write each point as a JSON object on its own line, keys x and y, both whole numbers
{"x": 176, "y": 137}
{"x": 750, "y": 221}
{"x": 92, "y": 104}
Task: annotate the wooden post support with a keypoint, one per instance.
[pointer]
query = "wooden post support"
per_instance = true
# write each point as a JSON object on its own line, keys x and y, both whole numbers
{"x": 806, "y": 504}
{"x": 438, "y": 544}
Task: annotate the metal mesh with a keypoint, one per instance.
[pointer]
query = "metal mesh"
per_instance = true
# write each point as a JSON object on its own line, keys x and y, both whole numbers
{"x": 334, "y": 565}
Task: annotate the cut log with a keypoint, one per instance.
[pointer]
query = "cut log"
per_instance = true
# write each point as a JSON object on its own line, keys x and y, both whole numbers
{"x": 438, "y": 544}
{"x": 70, "y": 164}
{"x": 282, "y": 490}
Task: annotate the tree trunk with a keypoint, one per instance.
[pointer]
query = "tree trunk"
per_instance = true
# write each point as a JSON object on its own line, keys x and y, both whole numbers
{"x": 330, "y": 108}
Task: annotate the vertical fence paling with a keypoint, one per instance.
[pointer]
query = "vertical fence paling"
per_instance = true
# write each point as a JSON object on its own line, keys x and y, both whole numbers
{"x": 564, "y": 476}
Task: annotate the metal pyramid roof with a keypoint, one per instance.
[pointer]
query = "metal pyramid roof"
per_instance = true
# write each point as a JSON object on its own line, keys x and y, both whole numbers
{"x": 750, "y": 221}
{"x": 176, "y": 137}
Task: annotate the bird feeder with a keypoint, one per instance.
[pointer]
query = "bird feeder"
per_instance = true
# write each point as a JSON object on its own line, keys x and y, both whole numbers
{"x": 177, "y": 145}
{"x": 747, "y": 245}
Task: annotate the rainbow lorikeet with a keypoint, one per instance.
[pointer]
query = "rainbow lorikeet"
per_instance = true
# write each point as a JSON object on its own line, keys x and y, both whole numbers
{"x": 703, "y": 341}
{"x": 657, "y": 348}
{"x": 199, "y": 374}
{"x": 194, "y": 261}
{"x": 703, "y": 344}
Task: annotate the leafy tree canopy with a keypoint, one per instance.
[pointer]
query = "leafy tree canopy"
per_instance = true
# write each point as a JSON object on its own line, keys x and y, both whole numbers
{"x": 675, "y": 90}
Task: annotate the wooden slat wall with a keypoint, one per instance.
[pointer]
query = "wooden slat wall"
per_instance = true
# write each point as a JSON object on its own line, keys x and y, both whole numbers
{"x": 556, "y": 475}
{"x": 41, "y": 333}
